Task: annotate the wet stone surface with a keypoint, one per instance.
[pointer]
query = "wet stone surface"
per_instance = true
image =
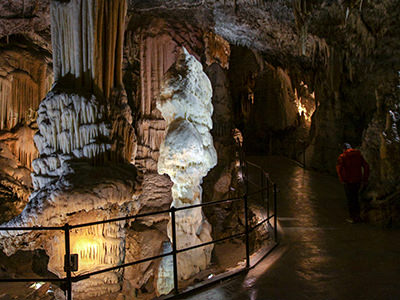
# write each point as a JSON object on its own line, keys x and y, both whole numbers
{"x": 320, "y": 255}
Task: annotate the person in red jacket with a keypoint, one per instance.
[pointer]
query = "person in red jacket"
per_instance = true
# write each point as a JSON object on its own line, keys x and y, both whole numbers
{"x": 353, "y": 171}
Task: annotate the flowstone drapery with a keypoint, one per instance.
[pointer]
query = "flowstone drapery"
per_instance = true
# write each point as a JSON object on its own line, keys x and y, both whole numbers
{"x": 186, "y": 155}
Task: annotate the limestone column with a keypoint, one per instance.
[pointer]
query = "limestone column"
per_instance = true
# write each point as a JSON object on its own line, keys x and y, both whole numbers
{"x": 186, "y": 155}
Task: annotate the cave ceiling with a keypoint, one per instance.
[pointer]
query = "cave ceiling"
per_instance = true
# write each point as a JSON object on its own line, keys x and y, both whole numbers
{"x": 282, "y": 30}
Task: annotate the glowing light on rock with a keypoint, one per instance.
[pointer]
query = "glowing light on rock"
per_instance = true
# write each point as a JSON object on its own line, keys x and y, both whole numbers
{"x": 95, "y": 251}
{"x": 88, "y": 250}
{"x": 305, "y": 110}
{"x": 36, "y": 285}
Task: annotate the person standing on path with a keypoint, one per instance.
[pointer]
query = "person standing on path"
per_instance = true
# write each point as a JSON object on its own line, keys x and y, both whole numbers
{"x": 353, "y": 171}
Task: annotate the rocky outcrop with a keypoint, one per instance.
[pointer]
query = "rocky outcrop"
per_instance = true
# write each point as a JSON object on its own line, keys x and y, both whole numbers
{"x": 381, "y": 146}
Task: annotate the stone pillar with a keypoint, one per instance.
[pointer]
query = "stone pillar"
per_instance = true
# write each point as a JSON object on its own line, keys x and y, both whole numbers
{"x": 186, "y": 155}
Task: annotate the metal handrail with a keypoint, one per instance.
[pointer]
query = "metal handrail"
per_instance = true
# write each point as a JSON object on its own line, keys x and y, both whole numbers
{"x": 38, "y": 228}
{"x": 69, "y": 279}
{"x": 262, "y": 222}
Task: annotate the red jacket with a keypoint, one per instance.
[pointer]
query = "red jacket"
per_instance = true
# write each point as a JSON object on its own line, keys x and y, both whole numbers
{"x": 349, "y": 165}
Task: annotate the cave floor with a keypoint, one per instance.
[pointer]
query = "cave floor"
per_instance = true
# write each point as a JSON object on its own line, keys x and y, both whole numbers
{"x": 320, "y": 255}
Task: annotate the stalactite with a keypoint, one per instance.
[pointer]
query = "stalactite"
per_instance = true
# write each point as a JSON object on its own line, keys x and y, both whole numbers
{"x": 157, "y": 54}
{"x": 23, "y": 84}
{"x": 302, "y": 11}
{"x": 21, "y": 145}
{"x": 88, "y": 36}
{"x": 19, "y": 94}
{"x": 5, "y": 103}
{"x": 97, "y": 246}
{"x": 125, "y": 145}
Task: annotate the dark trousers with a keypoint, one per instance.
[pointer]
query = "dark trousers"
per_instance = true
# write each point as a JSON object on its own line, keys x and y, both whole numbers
{"x": 351, "y": 190}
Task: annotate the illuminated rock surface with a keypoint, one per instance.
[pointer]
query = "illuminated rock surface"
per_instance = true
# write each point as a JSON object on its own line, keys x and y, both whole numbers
{"x": 186, "y": 155}
{"x": 25, "y": 77}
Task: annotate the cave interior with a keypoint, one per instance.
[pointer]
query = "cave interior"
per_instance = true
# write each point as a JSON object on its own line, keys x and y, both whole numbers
{"x": 111, "y": 108}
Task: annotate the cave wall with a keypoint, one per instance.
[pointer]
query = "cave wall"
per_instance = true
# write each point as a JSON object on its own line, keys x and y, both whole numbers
{"x": 272, "y": 105}
{"x": 25, "y": 77}
{"x": 357, "y": 89}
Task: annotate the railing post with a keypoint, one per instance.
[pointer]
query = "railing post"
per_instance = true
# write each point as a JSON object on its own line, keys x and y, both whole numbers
{"x": 275, "y": 216}
{"x": 246, "y": 176}
{"x": 246, "y": 224}
{"x": 268, "y": 196}
{"x": 175, "y": 263}
{"x": 67, "y": 263}
{"x": 262, "y": 185}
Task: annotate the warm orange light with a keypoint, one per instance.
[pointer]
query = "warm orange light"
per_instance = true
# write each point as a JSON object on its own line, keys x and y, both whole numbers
{"x": 87, "y": 249}
{"x": 302, "y": 109}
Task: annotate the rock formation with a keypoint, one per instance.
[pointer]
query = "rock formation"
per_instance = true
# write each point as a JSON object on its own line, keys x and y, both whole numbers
{"x": 158, "y": 49}
{"x": 25, "y": 77}
{"x": 157, "y": 54}
{"x": 186, "y": 155}
{"x": 76, "y": 140}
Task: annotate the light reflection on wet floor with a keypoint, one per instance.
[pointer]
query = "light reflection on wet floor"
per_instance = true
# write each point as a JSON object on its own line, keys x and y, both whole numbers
{"x": 320, "y": 255}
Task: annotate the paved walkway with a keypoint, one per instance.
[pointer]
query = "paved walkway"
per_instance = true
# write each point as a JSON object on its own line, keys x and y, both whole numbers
{"x": 320, "y": 256}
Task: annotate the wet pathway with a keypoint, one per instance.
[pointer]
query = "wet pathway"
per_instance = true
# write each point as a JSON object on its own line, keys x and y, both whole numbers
{"x": 320, "y": 256}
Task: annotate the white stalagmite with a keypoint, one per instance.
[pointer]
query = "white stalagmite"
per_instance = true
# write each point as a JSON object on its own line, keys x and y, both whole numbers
{"x": 186, "y": 155}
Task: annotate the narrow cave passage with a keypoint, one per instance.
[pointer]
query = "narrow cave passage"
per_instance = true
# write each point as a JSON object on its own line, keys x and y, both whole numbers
{"x": 320, "y": 256}
{"x": 273, "y": 106}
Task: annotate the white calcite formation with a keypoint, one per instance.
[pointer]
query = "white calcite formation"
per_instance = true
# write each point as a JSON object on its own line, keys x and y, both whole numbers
{"x": 69, "y": 189}
{"x": 72, "y": 136}
{"x": 186, "y": 155}
{"x": 70, "y": 126}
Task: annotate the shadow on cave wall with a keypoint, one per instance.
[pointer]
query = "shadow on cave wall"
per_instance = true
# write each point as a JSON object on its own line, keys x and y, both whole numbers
{"x": 265, "y": 108}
